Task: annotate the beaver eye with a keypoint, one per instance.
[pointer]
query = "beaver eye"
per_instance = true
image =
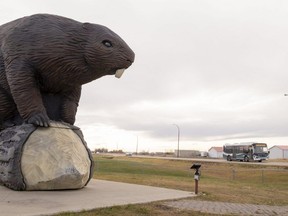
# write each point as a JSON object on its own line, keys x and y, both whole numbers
{"x": 107, "y": 43}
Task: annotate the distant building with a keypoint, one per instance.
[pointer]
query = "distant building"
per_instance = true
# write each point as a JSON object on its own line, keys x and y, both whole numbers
{"x": 187, "y": 153}
{"x": 279, "y": 152}
{"x": 204, "y": 154}
{"x": 215, "y": 152}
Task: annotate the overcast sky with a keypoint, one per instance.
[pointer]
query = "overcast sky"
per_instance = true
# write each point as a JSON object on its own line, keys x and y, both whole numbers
{"x": 216, "y": 68}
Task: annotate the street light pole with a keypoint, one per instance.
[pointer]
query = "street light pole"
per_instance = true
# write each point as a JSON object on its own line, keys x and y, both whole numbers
{"x": 137, "y": 146}
{"x": 178, "y": 138}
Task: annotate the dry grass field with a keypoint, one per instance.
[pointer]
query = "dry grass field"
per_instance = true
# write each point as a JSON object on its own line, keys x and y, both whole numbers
{"x": 227, "y": 182}
{"x": 150, "y": 209}
{"x": 230, "y": 182}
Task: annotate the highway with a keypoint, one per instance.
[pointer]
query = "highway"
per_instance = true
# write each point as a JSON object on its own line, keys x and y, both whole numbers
{"x": 263, "y": 163}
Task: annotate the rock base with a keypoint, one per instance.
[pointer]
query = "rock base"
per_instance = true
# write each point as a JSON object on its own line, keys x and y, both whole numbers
{"x": 37, "y": 158}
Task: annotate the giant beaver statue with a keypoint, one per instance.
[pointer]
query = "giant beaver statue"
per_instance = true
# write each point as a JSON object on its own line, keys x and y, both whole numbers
{"x": 44, "y": 61}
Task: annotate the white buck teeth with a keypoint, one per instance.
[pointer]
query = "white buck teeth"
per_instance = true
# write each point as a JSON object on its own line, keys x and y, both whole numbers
{"x": 119, "y": 72}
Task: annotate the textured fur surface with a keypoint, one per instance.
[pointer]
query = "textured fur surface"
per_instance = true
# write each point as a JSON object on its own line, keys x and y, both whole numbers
{"x": 44, "y": 61}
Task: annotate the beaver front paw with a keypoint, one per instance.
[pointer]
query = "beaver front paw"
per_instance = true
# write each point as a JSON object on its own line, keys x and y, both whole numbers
{"x": 39, "y": 119}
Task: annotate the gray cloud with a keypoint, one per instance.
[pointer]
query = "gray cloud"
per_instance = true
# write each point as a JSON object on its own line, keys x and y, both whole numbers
{"x": 218, "y": 69}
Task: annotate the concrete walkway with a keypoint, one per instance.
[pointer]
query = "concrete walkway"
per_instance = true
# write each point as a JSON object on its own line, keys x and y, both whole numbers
{"x": 97, "y": 194}
{"x": 220, "y": 208}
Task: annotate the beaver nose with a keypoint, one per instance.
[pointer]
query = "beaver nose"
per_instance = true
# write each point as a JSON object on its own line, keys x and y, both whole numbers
{"x": 131, "y": 57}
{"x": 129, "y": 61}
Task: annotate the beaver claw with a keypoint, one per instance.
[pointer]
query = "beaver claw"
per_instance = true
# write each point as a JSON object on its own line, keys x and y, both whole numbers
{"x": 39, "y": 119}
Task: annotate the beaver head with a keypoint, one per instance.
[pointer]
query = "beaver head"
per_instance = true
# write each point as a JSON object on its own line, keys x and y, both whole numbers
{"x": 106, "y": 52}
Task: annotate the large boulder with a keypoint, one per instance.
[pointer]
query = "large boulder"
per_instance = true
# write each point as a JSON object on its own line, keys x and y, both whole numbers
{"x": 37, "y": 158}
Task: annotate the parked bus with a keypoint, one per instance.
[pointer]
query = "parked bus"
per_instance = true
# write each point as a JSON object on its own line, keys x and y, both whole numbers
{"x": 246, "y": 152}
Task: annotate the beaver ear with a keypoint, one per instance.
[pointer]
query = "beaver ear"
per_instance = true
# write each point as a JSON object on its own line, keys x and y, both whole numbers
{"x": 86, "y": 26}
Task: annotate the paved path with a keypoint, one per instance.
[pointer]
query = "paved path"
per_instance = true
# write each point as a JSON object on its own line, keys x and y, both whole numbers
{"x": 229, "y": 208}
{"x": 97, "y": 194}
